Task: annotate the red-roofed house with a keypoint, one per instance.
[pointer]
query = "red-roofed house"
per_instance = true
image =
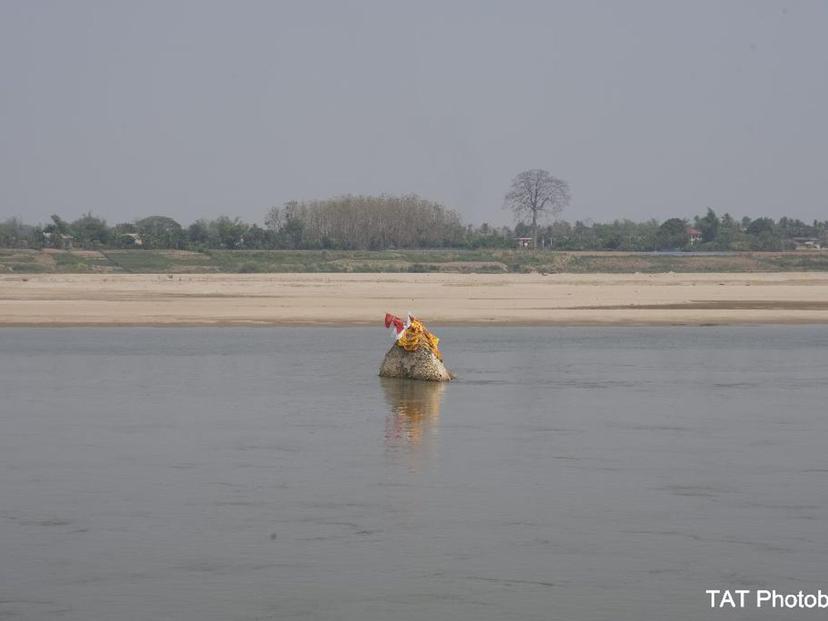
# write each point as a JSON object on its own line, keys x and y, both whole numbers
{"x": 695, "y": 235}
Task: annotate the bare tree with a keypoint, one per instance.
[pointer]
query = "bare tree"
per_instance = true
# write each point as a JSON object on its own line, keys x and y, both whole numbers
{"x": 537, "y": 193}
{"x": 273, "y": 219}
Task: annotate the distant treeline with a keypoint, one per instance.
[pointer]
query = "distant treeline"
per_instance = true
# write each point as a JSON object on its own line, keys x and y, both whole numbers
{"x": 708, "y": 232}
{"x": 391, "y": 222}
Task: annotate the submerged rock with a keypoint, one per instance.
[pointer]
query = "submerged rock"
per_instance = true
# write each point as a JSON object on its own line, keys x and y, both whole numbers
{"x": 420, "y": 364}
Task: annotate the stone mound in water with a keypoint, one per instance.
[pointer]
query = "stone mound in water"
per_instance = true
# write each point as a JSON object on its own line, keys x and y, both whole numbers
{"x": 420, "y": 364}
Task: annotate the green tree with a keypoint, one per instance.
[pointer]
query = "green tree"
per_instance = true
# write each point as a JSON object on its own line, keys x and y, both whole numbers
{"x": 198, "y": 234}
{"x": 729, "y": 235}
{"x": 12, "y": 233}
{"x": 760, "y": 226}
{"x": 709, "y": 226}
{"x": 56, "y": 230}
{"x": 123, "y": 235}
{"x": 763, "y": 235}
{"x": 59, "y": 225}
{"x": 160, "y": 232}
{"x": 228, "y": 233}
{"x": 672, "y": 234}
{"x": 90, "y": 231}
{"x": 257, "y": 238}
{"x": 292, "y": 234}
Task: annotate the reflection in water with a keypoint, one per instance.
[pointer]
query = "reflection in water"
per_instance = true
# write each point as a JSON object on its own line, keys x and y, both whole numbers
{"x": 415, "y": 410}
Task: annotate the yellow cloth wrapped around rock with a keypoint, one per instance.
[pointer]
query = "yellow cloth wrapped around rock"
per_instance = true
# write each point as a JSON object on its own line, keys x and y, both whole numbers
{"x": 415, "y": 336}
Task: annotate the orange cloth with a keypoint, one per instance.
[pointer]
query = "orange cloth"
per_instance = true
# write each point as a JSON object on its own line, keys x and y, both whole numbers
{"x": 416, "y": 336}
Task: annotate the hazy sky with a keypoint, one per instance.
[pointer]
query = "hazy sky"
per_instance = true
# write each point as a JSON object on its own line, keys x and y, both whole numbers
{"x": 196, "y": 108}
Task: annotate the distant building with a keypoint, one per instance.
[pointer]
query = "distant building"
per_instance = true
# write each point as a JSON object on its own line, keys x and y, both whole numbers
{"x": 135, "y": 237}
{"x": 807, "y": 243}
{"x": 58, "y": 240}
{"x": 525, "y": 242}
{"x": 694, "y": 234}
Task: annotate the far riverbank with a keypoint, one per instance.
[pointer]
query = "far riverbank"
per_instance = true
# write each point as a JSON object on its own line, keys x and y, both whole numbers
{"x": 480, "y": 261}
{"x": 439, "y": 298}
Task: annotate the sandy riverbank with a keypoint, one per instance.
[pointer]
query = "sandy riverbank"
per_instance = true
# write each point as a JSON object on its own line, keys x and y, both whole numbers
{"x": 501, "y": 299}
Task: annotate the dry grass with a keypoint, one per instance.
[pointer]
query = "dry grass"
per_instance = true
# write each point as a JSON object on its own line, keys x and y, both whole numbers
{"x": 461, "y": 261}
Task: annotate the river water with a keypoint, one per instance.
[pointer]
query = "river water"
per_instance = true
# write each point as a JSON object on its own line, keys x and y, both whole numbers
{"x": 267, "y": 473}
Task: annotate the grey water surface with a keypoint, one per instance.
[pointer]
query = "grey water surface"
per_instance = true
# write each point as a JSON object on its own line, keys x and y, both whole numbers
{"x": 267, "y": 473}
